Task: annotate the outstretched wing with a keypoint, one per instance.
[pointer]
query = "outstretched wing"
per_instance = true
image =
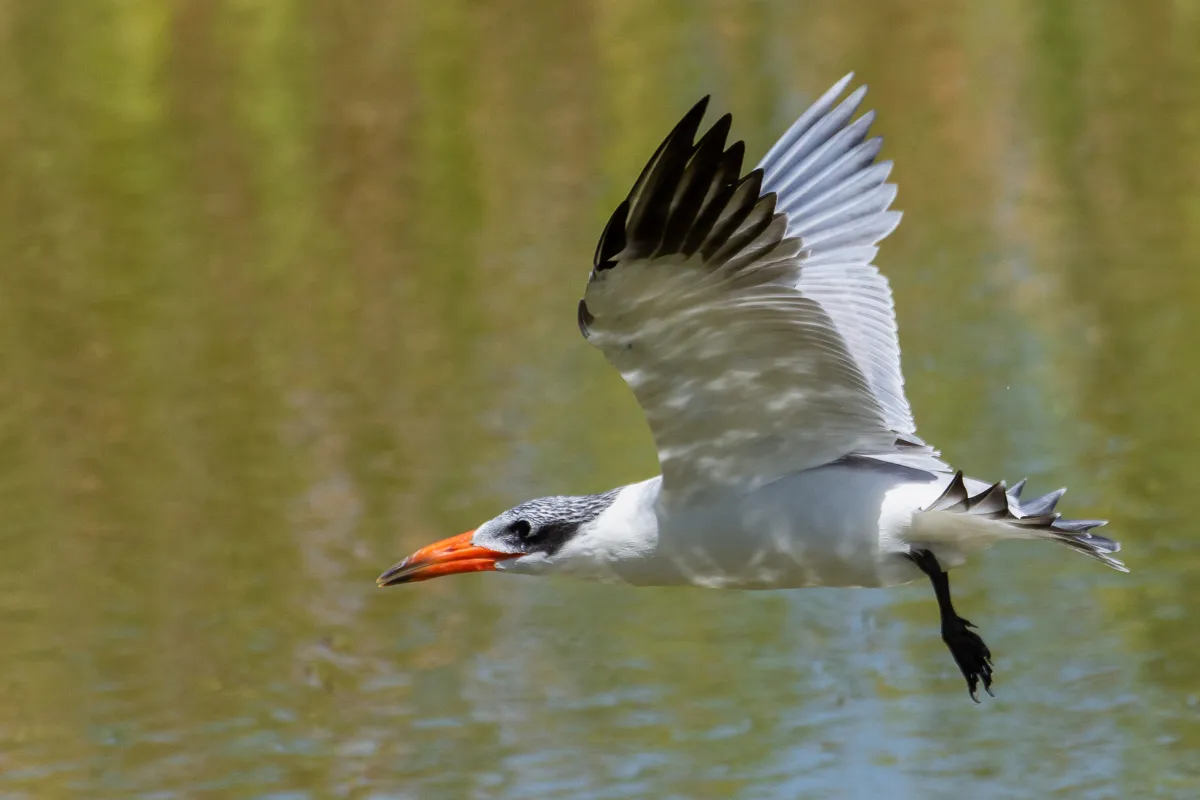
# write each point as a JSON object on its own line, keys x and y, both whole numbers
{"x": 826, "y": 181}
{"x": 697, "y": 297}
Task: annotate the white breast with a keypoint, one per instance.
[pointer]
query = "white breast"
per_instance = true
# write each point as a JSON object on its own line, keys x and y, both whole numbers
{"x": 839, "y": 525}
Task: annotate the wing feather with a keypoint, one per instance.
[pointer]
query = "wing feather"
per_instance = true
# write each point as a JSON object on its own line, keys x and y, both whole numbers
{"x": 745, "y": 311}
{"x": 836, "y": 200}
{"x": 693, "y": 298}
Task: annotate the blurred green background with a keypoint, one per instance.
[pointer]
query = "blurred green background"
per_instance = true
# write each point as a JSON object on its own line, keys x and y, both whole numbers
{"x": 287, "y": 289}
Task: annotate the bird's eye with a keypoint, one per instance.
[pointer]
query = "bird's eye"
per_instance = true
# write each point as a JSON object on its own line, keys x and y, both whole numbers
{"x": 521, "y": 528}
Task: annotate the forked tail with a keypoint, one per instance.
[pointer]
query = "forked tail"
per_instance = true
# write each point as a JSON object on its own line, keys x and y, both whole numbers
{"x": 1030, "y": 519}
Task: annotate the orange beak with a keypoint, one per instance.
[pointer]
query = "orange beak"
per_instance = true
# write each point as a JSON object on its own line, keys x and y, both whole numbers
{"x": 447, "y": 557}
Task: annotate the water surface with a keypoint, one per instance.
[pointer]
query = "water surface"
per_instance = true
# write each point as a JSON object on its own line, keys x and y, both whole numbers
{"x": 288, "y": 289}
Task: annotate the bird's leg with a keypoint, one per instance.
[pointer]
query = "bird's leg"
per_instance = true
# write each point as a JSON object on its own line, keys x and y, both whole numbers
{"x": 969, "y": 651}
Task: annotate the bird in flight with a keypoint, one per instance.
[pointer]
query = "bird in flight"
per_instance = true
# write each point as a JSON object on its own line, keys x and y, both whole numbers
{"x": 745, "y": 313}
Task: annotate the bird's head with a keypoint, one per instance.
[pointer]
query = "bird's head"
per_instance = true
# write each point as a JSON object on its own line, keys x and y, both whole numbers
{"x": 526, "y": 539}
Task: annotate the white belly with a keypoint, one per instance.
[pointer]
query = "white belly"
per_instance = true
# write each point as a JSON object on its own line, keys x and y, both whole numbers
{"x": 840, "y": 525}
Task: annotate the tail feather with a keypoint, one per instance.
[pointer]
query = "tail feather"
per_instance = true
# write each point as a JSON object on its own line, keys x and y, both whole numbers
{"x": 1042, "y": 505}
{"x": 1078, "y": 525}
{"x": 992, "y": 502}
{"x": 1037, "y": 517}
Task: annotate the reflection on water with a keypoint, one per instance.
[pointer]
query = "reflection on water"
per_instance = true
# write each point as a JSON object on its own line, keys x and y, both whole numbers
{"x": 288, "y": 289}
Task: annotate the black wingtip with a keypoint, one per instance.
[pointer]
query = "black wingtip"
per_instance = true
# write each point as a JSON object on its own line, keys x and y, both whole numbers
{"x": 685, "y": 130}
{"x": 612, "y": 240}
{"x": 584, "y": 318}
{"x": 616, "y": 236}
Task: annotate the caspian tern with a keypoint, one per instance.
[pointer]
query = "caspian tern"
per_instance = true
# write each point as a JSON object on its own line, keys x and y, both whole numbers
{"x": 746, "y": 315}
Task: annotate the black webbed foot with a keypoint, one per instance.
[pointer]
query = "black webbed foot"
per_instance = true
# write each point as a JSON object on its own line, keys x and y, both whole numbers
{"x": 970, "y": 653}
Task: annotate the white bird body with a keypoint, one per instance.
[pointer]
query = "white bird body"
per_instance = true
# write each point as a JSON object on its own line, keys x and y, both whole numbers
{"x": 747, "y": 316}
{"x": 843, "y": 524}
{"x": 836, "y": 525}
